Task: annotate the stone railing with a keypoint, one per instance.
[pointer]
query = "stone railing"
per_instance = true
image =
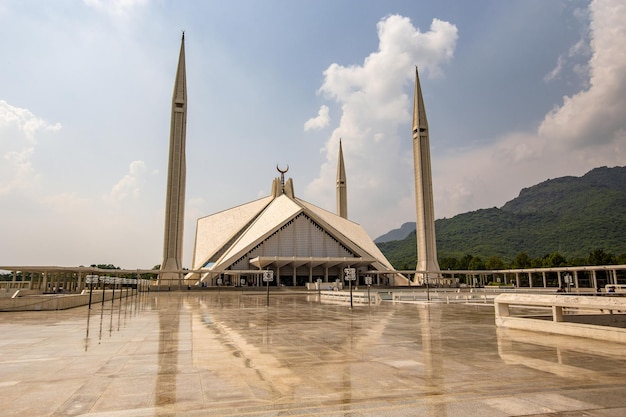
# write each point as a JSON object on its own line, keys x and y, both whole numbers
{"x": 358, "y": 297}
{"x": 56, "y": 301}
{"x": 595, "y": 317}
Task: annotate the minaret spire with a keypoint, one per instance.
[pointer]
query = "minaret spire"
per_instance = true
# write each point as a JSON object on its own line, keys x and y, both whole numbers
{"x": 176, "y": 175}
{"x": 425, "y": 225}
{"x": 342, "y": 191}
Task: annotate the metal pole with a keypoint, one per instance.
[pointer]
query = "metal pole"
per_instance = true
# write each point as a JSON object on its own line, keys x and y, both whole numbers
{"x": 267, "y": 304}
{"x": 350, "y": 281}
{"x": 103, "y": 283}
{"x": 90, "y": 291}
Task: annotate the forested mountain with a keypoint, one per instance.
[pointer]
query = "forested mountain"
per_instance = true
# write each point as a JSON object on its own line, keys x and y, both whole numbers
{"x": 571, "y": 216}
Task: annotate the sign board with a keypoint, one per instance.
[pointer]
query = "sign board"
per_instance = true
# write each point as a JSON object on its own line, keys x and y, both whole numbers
{"x": 219, "y": 281}
{"x": 368, "y": 280}
{"x": 268, "y": 276}
{"x": 242, "y": 281}
{"x": 350, "y": 274}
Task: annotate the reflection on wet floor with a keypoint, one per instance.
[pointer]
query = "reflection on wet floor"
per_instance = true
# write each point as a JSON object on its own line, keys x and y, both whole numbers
{"x": 195, "y": 354}
{"x": 121, "y": 307}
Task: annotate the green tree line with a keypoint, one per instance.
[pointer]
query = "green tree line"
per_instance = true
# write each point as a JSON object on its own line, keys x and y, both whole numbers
{"x": 521, "y": 261}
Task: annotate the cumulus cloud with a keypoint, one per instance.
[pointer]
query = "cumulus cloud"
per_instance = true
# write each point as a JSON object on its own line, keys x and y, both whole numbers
{"x": 594, "y": 115}
{"x": 19, "y": 130}
{"x": 373, "y": 104}
{"x": 321, "y": 121}
{"x": 130, "y": 185}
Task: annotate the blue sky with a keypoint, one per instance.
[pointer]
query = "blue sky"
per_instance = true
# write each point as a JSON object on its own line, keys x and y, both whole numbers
{"x": 516, "y": 92}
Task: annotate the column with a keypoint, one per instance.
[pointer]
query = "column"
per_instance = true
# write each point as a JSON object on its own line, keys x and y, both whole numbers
{"x": 594, "y": 279}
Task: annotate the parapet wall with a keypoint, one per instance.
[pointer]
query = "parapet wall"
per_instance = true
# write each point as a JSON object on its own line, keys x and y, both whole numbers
{"x": 53, "y": 301}
{"x": 595, "y": 317}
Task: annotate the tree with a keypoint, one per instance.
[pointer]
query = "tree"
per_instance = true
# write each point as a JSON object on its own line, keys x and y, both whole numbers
{"x": 476, "y": 264}
{"x": 464, "y": 262}
{"x": 449, "y": 262}
{"x": 553, "y": 260}
{"x": 494, "y": 262}
{"x": 521, "y": 261}
{"x": 600, "y": 257}
{"x": 105, "y": 266}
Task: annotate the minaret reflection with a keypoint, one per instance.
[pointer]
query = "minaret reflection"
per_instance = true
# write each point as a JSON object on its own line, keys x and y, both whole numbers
{"x": 432, "y": 356}
{"x": 169, "y": 322}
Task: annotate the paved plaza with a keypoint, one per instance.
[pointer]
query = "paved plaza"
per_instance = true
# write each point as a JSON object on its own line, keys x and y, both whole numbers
{"x": 227, "y": 354}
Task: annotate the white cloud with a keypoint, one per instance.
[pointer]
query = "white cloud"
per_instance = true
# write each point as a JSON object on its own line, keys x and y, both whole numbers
{"x": 374, "y": 103}
{"x": 19, "y": 129}
{"x": 321, "y": 121}
{"x": 580, "y": 50}
{"x": 130, "y": 185}
{"x": 593, "y": 116}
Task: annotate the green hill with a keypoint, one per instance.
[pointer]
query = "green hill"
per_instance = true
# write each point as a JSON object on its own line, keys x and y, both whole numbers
{"x": 570, "y": 215}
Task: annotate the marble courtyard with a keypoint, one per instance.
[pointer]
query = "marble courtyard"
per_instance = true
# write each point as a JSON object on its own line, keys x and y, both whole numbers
{"x": 227, "y": 354}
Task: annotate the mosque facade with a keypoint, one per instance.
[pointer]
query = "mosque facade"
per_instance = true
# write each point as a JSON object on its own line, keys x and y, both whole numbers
{"x": 298, "y": 241}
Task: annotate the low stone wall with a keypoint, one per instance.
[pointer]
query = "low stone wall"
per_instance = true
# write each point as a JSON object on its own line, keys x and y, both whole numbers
{"x": 567, "y": 315}
{"x": 358, "y": 297}
{"x": 47, "y": 302}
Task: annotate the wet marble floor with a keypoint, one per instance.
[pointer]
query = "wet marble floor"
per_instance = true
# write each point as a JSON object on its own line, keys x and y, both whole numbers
{"x": 227, "y": 354}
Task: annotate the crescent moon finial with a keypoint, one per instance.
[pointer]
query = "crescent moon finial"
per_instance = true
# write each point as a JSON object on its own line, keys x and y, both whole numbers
{"x": 282, "y": 171}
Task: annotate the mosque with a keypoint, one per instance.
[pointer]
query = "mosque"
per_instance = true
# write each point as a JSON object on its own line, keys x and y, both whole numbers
{"x": 299, "y": 242}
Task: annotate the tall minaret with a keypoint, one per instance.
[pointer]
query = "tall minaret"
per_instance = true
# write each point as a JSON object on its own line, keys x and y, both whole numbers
{"x": 425, "y": 226}
{"x": 342, "y": 191}
{"x": 176, "y": 173}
